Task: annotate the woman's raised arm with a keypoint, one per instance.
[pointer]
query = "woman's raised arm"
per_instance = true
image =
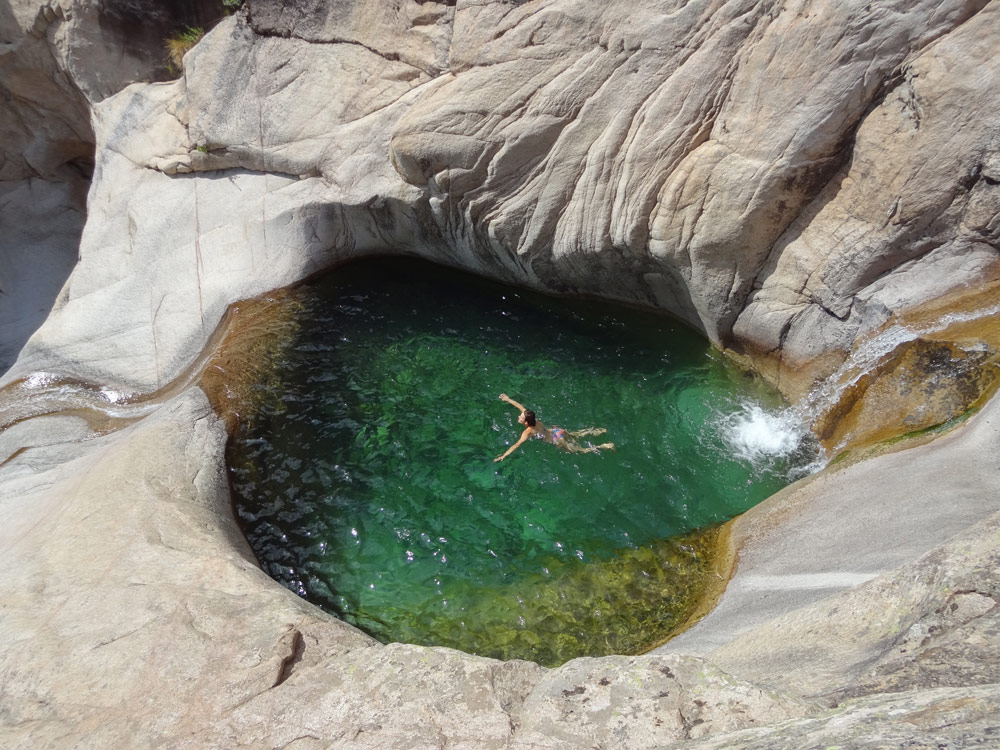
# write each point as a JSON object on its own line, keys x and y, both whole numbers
{"x": 524, "y": 436}
{"x": 512, "y": 402}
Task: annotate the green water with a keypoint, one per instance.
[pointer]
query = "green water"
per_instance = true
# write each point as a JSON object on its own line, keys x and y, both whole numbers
{"x": 366, "y": 482}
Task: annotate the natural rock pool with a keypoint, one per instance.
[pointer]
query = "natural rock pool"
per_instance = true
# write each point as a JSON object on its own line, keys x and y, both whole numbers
{"x": 365, "y": 479}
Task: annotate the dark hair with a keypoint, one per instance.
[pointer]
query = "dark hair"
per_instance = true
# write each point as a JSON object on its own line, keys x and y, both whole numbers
{"x": 529, "y": 418}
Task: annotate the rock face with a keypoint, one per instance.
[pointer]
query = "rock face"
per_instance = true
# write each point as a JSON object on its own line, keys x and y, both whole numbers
{"x": 129, "y": 548}
{"x": 128, "y": 583}
{"x": 913, "y": 210}
{"x": 57, "y": 60}
{"x": 785, "y": 176}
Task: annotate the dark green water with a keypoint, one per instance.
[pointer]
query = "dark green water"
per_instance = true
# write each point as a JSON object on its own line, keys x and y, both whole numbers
{"x": 366, "y": 480}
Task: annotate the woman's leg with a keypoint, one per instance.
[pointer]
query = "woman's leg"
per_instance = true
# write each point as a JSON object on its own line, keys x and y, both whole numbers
{"x": 588, "y": 431}
{"x": 572, "y": 446}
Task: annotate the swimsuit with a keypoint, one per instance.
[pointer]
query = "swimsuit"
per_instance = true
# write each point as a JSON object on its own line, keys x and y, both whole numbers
{"x": 554, "y": 435}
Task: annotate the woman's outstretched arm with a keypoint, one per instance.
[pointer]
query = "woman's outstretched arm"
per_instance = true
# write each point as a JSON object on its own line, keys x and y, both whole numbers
{"x": 512, "y": 402}
{"x": 524, "y": 436}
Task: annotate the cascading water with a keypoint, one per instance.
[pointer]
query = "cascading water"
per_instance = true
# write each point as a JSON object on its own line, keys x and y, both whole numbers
{"x": 758, "y": 433}
{"x": 243, "y": 342}
{"x": 869, "y": 353}
{"x": 45, "y": 393}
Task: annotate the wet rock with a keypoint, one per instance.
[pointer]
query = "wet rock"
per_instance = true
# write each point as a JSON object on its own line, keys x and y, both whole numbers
{"x": 919, "y": 385}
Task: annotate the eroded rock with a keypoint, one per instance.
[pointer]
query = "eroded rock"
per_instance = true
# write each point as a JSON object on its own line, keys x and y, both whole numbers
{"x": 576, "y": 148}
{"x": 921, "y": 384}
{"x": 906, "y": 220}
{"x": 784, "y": 177}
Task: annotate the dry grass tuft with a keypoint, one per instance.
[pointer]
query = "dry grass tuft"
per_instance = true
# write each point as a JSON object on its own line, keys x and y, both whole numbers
{"x": 178, "y": 45}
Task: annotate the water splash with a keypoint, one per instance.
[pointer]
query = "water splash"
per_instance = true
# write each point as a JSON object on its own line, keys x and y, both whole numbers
{"x": 771, "y": 440}
{"x": 756, "y": 434}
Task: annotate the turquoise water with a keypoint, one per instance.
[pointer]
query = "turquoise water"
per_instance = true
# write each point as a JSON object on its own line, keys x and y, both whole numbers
{"x": 366, "y": 481}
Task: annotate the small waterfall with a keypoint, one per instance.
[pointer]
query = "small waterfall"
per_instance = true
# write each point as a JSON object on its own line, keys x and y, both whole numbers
{"x": 46, "y": 393}
{"x": 763, "y": 437}
{"x": 865, "y": 357}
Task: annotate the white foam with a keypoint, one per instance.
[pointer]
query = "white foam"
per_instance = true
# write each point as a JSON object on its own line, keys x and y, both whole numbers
{"x": 755, "y": 434}
{"x": 762, "y": 437}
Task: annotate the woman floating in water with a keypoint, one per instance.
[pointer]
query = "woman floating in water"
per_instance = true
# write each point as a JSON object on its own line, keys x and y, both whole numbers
{"x": 559, "y": 437}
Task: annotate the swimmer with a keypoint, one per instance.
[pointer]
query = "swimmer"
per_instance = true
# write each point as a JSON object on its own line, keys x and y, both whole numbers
{"x": 559, "y": 437}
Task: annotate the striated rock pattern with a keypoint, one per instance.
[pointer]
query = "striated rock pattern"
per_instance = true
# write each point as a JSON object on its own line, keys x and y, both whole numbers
{"x": 784, "y": 176}
{"x": 911, "y": 213}
{"x": 787, "y": 176}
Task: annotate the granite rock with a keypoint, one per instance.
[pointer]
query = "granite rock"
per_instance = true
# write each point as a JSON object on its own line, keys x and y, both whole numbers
{"x": 787, "y": 177}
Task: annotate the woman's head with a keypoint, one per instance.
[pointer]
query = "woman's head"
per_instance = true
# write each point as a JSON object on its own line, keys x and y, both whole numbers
{"x": 527, "y": 417}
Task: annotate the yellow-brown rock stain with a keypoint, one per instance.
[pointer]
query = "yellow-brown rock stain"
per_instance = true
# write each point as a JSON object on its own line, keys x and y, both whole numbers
{"x": 929, "y": 381}
{"x": 254, "y": 333}
{"x": 943, "y": 373}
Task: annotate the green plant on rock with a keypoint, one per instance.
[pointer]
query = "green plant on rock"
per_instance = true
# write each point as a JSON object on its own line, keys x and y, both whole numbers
{"x": 178, "y": 45}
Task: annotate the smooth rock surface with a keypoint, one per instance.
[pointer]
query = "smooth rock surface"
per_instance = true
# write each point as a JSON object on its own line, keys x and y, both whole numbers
{"x": 785, "y": 176}
{"x": 846, "y": 526}
{"x": 129, "y": 583}
{"x": 60, "y": 57}
{"x": 42, "y": 223}
{"x": 574, "y": 147}
{"x": 57, "y": 60}
{"x": 913, "y": 214}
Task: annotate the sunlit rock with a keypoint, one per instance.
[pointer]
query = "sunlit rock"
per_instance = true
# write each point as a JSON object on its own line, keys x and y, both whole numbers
{"x": 790, "y": 178}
